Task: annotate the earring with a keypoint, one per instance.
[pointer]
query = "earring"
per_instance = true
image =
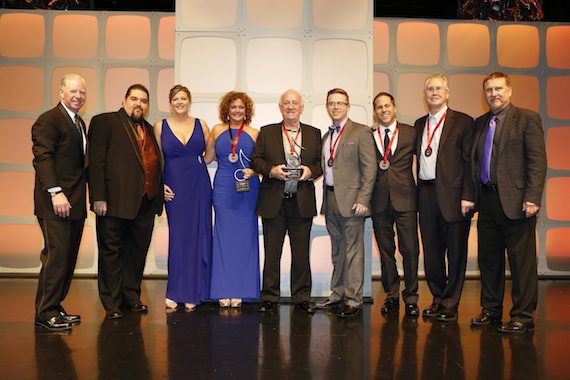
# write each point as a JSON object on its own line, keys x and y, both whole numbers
{"x": 228, "y": 117}
{"x": 245, "y": 117}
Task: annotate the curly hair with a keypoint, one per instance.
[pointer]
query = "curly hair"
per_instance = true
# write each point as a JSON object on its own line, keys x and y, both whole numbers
{"x": 229, "y": 98}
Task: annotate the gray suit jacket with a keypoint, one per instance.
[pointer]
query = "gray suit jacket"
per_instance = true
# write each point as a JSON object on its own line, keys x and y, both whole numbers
{"x": 354, "y": 168}
{"x": 521, "y": 160}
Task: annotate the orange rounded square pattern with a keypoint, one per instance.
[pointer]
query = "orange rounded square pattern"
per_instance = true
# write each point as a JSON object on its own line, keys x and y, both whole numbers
{"x": 558, "y": 249}
{"x": 20, "y": 245}
{"x": 418, "y": 43}
{"x": 15, "y": 141}
{"x": 410, "y": 96}
{"x": 91, "y": 82}
{"x": 17, "y": 83}
{"x": 381, "y": 83}
{"x": 381, "y": 42}
{"x": 517, "y": 46}
{"x": 466, "y": 94}
{"x": 557, "y": 140}
{"x": 127, "y": 37}
{"x": 558, "y": 97}
{"x": 164, "y": 84}
{"x": 166, "y": 38}
{"x": 557, "y": 51}
{"x": 468, "y": 45}
{"x": 557, "y": 190}
{"x": 22, "y": 35}
{"x": 118, "y": 80}
{"x": 75, "y": 36}
{"x": 525, "y": 92}
{"x": 17, "y": 194}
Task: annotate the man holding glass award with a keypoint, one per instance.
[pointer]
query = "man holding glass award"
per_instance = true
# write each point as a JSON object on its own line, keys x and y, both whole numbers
{"x": 288, "y": 155}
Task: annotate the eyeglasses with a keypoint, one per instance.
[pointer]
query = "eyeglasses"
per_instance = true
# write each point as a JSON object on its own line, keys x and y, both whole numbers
{"x": 337, "y": 104}
{"x": 437, "y": 89}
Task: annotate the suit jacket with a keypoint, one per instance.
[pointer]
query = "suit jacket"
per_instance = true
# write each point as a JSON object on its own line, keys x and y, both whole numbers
{"x": 520, "y": 163}
{"x": 354, "y": 168}
{"x": 268, "y": 152}
{"x": 396, "y": 185}
{"x": 116, "y": 172}
{"x": 59, "y": 161}
{"x": 453, "y": 169}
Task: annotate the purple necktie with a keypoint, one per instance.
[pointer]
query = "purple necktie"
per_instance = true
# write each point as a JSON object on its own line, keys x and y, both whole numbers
{"x": 485, "y": 173}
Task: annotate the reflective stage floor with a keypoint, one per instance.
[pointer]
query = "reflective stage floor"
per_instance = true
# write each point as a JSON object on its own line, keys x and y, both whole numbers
{"x": 244, "y": 344}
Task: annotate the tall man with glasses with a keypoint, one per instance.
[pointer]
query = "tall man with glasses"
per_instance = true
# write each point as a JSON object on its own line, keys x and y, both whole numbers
{"x": 349, "y": 162}
{"x": 288, "y": 155}
{"x": 509, "y": 169}
{"x": 446, "y": 197}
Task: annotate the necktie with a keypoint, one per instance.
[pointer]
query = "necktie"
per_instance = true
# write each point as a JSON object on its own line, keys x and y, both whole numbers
{"x": 386, "y": 140}
{"x": 333, "y": 129}
{"x": 78, "y": 124}
{"x": 485, "y": 172}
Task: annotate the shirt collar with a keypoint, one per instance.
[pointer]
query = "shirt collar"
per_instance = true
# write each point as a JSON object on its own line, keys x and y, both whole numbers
{"x": 69, "y": 112}
{"x": 440, "y": 113}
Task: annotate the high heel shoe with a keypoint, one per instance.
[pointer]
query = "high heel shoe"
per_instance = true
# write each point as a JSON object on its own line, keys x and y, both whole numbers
{"x": 225, "y": 302}
{"x": 235, "y": 302}
{"x": 170, "y": 304}
{"x": 189, "y": 306}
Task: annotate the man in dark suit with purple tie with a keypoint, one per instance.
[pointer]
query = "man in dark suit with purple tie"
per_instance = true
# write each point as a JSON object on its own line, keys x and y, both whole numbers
{"x": 59, "y": 144}
{"x": 509, "y": 169}
{"x": 394, "y": 203}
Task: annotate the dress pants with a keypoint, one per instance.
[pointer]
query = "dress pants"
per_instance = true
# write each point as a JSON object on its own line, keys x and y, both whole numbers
{"x": 347, "y": 240}
{"x": 290, "y": 221}
{"x": 441, "y": 240}
{"x": 495, "y": 234}
{"x": 59, "y": 255}
{"x": 407, "y": 227}
{"x": 123, "y": 246}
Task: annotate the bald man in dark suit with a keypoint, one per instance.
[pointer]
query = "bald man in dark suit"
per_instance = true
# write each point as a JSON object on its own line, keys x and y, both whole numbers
{"x": 59, "y": 144}
{"x": 509, "y": 168}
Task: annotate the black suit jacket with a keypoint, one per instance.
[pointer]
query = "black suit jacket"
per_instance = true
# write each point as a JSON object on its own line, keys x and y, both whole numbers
{"x": 268, "y": 152}
{"x": 116, "y": 172}
{"x": 396, "y": 185}
{"x": 58, "y": 161}
{"x": 453, "y": 169}
{"x": 520, "y": 163}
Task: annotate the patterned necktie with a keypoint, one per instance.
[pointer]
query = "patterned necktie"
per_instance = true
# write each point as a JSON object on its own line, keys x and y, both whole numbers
{"x": 485, "y": 172}
{"x": 78, "y": 124}
{"x": 386, "y": 140}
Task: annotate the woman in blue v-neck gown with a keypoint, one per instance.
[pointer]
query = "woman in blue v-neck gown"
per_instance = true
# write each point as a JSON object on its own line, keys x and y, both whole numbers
{"x": 188, "y": 196}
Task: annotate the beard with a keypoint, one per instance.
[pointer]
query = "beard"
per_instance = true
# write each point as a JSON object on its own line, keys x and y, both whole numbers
{"x": 137, "y": 117}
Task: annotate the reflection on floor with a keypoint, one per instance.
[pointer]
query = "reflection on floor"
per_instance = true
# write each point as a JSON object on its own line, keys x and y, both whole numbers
{"x": 244, "y": 344}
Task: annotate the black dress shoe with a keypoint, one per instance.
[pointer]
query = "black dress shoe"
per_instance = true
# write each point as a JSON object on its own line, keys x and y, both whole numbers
{"x": 139, "y": 308}
{"x": 348, "y": 312}
{"x": 267, "y": 306}
{"x": 114, "y": 314}
{"x": 485, "y": 319}
{"x": 330, "y": 305}
{"x": 73, "y": 319}
{"x": 56, "y": 323}
{"x": 447, "y": 315}
{"x": 412, "y": 310}
{"x": 390, "y": 304}
{"x": 432, "y": 311}
{"x": 516, "y": 327}
{"x": 305, "y": 306}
